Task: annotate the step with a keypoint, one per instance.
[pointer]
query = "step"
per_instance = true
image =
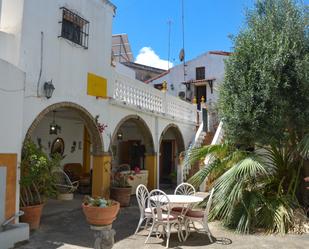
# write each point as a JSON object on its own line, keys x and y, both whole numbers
{"x": 13, "y": 234}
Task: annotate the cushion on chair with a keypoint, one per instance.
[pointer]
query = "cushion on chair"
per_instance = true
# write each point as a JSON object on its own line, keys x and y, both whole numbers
{"x": 177, "y": 209}
{"x": 171, "y": 217}
{"x": 148, "y": 210}
{"x": 195, "y": 214}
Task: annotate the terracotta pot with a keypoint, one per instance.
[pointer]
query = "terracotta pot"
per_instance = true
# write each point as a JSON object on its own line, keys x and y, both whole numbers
{"x": 32, "y": 215}
{"x": 101, "y": 216}
{"x": 122, "y": 195}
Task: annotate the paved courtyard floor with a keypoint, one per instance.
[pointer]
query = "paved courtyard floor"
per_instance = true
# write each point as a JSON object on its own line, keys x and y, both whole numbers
{"x": 63, "y": 226}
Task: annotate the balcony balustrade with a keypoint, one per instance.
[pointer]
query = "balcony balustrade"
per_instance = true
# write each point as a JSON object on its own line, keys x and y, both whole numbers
{"x": 136, "y": 94}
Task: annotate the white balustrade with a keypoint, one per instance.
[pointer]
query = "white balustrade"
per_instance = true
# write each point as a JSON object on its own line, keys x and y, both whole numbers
{"x": 140, "y": 95}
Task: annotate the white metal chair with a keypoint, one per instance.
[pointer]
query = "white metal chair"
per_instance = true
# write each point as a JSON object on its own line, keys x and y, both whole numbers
{"x": 201, "y": 217}
{"x": 142, "y": 195}
{"x": 183, "y": 189}
{"x": 159, "y": 204}
{"x": 64, "y": 183}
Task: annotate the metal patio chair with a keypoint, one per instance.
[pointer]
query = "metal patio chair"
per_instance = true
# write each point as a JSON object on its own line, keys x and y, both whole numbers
{"x": 159, "y": 204}
{"x": 64, "y": 183}
{"x": 142, "y": 195}
{"x": 200, "y": 216}
{"x": 184, "y": 189}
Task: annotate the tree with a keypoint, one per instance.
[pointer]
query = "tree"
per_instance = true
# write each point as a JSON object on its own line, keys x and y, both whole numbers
{"x": 265, "y": 95}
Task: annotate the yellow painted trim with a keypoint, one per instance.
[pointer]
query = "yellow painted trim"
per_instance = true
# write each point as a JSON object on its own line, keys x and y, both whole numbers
{"x": 151, "y": 166}
{"x": 10, "y": 162}
{"x": 86, "y": 151}
{"x": 96, "y": 86}
{"x": 101, "y": 175}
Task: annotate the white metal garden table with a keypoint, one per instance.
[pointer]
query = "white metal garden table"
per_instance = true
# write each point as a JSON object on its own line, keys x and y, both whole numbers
{"x": 185, "y": 202}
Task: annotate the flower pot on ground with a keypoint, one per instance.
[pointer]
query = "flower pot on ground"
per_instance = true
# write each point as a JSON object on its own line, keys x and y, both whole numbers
{"x": 122, "y": 195}
{"x": 121, "y": 190}
{"x": 173, "y": 177}
{"x": 36, "y": 182}
{"x": 100, "y": 212}
{"x": 32, "y": 215}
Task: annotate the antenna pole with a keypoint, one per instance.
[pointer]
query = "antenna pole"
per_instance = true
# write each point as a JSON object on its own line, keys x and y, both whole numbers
{"x": 169, "y": 22}
{"x": 183, "y": 38}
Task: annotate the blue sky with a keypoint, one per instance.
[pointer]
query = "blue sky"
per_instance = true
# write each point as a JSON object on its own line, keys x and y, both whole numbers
{"x": 208, "y": 24}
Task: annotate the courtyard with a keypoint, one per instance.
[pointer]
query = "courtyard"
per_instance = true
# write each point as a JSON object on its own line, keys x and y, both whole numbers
{"x": 63, "y": 226}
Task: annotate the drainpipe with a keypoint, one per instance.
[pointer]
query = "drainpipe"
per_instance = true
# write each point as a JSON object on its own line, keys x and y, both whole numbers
{"x": 41, "y": 66}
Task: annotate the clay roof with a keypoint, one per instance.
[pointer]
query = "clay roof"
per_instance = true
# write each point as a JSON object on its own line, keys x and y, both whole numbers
{"x": 220, "y": 53}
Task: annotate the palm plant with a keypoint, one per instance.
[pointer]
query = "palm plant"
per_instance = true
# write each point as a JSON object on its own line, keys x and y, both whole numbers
{"x": 253, "y": 189}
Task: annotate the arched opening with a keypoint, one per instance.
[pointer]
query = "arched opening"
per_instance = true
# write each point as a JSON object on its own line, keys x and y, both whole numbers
{"x": 70, "y": 130}
{"x": 131, "y": 141}
{"x": 132, "y": 150}
{"x": 171, "y": 145}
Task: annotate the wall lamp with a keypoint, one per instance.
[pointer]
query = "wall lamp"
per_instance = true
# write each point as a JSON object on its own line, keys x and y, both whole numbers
{"x": 119, "y": 135}
{"x": 49, "y": 89}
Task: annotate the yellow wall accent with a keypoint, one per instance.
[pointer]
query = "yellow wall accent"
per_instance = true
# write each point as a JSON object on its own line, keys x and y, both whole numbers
{"x": 151, "y": 166}
{"x": 86, "y": 152}
{"x": 96, "y": 86}
{"x": 10, "y": 161}
{"x": 101, "y": 175}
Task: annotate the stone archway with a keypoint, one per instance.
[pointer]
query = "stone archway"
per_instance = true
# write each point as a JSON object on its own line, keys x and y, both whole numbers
{"x": 178, "y": 135}
{"x": 142, "y": 126}
{"x": 101, "y": 161}
{"x": 89, "y": 121}
{"x": 144, "y": 136}
{"x": 171, "y": 144}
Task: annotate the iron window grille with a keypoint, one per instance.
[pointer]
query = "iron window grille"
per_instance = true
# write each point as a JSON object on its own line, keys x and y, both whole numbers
{"x": 74, "y": 28}
{"x": 200, "y": 73}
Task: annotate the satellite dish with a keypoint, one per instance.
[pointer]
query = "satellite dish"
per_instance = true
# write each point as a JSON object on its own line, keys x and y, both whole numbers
{"x": 182, "y": 95}
{"x": 182, "y": 55}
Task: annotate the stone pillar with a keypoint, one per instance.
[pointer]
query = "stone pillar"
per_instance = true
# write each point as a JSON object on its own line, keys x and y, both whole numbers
{"x": 104, "y": 237}
{"x": 151, "y": 166}
{"x": 101, "y": 173}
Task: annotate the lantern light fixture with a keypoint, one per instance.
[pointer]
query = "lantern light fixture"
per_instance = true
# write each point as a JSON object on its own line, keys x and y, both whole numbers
{"x": 48, "y": 89}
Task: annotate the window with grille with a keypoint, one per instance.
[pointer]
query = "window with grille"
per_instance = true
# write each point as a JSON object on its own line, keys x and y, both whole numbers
{"x": 74, "y": 28}
{"x": 200, "y": 73}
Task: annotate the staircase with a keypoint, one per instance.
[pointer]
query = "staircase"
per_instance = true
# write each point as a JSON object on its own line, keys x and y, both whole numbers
{"x": 197, "y": 142}
{"x": 201, "y": 138}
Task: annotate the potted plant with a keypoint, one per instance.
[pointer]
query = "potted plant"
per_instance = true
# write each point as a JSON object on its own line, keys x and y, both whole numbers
{"x": 99, "y": 211}
{"x": 121, "y": 190}
{"x": 173, "y": 177}
{"x": 36, "y": 182}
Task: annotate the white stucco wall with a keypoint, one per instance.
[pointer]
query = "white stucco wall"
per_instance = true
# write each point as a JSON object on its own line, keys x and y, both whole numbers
{"x": 11, "y": 107}
{"x": 24, "y": 25}
{"x": 11, "y": 111}
{"x": 124, "y": 70}
{"x": 214, "y": 68}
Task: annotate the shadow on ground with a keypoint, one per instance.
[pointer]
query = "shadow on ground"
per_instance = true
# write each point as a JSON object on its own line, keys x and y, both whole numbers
{"x": 64, "y": 223}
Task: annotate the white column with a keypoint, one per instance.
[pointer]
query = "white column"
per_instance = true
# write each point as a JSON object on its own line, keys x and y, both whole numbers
{"x": 2, "y": 193}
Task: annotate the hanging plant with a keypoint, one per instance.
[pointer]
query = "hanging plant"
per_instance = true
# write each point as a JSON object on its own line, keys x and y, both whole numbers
{"x": 101, "y": 126}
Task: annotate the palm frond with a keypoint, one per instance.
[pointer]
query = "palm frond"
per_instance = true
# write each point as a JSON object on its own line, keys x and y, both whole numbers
{"x": 197, "y": 154}
{"x": 199, "y": 177}
{"x": 303, "y": 147}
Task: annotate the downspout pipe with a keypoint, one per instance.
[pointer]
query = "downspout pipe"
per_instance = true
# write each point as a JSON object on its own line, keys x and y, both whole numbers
{"x": 41, "y": 65}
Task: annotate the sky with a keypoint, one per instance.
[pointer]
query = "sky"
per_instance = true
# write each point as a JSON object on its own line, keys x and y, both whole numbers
{"x": 208, "y": 25}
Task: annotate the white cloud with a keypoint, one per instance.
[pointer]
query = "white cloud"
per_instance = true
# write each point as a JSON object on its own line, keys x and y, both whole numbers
{"x": 147, "y": 56}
